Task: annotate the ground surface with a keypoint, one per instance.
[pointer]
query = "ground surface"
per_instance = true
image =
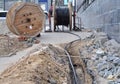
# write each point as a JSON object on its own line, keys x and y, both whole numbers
{"x": 99, "y": 56}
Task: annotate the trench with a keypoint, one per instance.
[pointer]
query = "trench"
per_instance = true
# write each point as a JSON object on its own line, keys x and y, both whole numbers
{"x": 45, "y": 66}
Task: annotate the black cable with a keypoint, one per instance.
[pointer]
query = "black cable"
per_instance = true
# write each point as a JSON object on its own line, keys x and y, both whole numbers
{"x": 70, "y": 60}
{"x": 62, "y": 16}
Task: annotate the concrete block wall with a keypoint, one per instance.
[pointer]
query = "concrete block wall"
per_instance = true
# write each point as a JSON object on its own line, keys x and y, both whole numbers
{"x": 103, "y": 14}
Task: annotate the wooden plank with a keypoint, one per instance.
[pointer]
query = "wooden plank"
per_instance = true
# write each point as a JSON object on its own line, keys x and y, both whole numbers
{"x": 37, "y": 27}
{"x": 27, "y": 9}
{"x": 23, "y": 20}
{"x": 28, "y": 13}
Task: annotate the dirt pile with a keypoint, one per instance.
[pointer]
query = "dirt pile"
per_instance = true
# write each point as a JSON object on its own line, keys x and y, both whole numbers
{"x": 41, "y": 67}
{"x": 9, "y": 45}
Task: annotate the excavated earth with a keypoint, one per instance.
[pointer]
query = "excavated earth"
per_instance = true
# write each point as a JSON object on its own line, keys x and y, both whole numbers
{"x": 41, "y": 67}
{"x": 96, "y": 60}
{"x": 10, "y": 45}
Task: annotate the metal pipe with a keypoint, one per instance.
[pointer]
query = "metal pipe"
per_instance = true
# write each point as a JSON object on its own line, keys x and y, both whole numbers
{"x": 4, "y": 4}
{"x": 51, "y": 2}
{"x": 74, "y": 15}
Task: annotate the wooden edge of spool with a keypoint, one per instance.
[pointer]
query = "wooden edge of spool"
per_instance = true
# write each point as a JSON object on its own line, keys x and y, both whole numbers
{"x": 70, "y": 15}
{"x": 54, "y": 16}
{"x": 11, "y": 22}
{"x": 14, "y": 14}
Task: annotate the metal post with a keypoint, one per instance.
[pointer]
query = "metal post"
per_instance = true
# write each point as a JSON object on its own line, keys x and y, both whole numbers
{"x": 51, "y": 2}
{"x": 4, "y": 4}
{"x": 74, "y": 15}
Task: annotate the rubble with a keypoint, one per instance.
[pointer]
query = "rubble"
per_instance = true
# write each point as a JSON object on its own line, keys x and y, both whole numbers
{"x": 100, "y": 55}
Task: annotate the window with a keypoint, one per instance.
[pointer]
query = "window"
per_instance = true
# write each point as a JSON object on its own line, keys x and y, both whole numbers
{"x": 1, "y": 5}
{"x": 3, "y": 13}
{"x": 85, "y": 4}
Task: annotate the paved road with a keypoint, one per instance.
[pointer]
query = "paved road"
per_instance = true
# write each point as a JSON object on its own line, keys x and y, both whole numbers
{"x": 60, "y": 37}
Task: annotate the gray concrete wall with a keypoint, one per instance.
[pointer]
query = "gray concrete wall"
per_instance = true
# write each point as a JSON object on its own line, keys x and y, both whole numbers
{"x": 104, "y": 14}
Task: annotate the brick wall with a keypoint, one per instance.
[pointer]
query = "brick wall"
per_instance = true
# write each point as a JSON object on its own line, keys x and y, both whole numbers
{"x": 103, "y": 14}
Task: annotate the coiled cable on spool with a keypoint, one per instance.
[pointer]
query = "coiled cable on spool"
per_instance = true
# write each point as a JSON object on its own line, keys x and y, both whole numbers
{"x": 62, "y": 16}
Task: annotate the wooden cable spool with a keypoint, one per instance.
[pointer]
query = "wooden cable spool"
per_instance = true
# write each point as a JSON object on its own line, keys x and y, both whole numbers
{"x": 25, "y": 19}
{"x": 67, "y": 11}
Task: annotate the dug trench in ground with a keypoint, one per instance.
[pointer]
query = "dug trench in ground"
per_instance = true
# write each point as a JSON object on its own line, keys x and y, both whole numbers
{"x": 48, "y": 65}
{"x": 96, "y": 55}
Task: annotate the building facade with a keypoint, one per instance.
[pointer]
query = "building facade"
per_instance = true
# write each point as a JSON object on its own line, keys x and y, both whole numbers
{"x": 45, "y": 4}
{"x": 103, "y": 14}
{"x": 6, "y": 4}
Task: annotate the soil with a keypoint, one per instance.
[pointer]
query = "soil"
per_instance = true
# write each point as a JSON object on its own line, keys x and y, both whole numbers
{"x": 9, "y": 45}
{"x": 48, "y": 64}
{"x": 38, "y": 68}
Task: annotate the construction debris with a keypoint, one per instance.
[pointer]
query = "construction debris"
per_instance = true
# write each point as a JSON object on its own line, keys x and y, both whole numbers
{"x": 101, "y": 56}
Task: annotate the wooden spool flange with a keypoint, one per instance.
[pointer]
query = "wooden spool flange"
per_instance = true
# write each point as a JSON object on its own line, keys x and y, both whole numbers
{"x": 25, "y": 19}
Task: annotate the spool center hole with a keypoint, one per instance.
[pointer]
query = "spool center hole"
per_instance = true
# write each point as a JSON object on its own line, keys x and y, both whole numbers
{"x": 28, "y": 20}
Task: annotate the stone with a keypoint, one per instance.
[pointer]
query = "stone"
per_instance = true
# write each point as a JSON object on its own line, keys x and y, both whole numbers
{"x": 116, "y": 61}
{"x": 101, "y": 65}
{"x": 110, "y": 77}
{"x": 110, "y": 58}
{"x": 101, "y": 37}
{"x": 101, "y": 73}
{"x": 104, "y": 58}
{"x": 52, "y": 81}
{"x": 100, "y": 52}
{"x": 112, "y": 46}
{"x": 112, "y": 42}
{"x": 107, "y": 73}
{"x": 118, "y": 81}
{"x": 111, "y": 82}
{"x": 114, "y": 82}
{"x": 95, "y": 57}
